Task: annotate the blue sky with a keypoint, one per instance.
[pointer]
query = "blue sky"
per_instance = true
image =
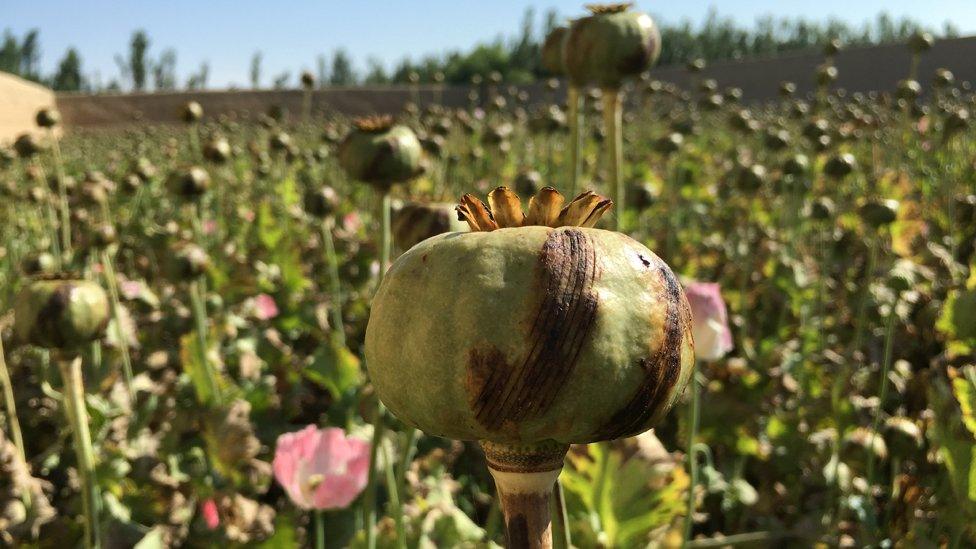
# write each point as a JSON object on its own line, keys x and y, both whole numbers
{"x": 291, "y": 33}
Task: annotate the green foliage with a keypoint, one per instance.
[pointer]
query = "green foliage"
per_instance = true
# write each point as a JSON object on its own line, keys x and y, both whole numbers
{"x": 615, "y": 501}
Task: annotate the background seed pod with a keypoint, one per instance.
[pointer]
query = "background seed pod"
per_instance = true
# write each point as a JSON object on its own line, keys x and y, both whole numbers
{"x": 381, "y": 156}
{"x": 48, "y": 118}
{"x": 530, "y": 334}
{"x": 607, "y": 47}
{"x": 60, "y": 314}
{"x": 414, "y": 222}
{"x": 190, "y": 182}
{"x": 192, "y": 112}
{"x": 552, "y": 51}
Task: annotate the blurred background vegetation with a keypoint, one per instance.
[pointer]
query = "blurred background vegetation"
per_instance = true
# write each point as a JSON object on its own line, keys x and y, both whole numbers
{"x": 516, "y": 58}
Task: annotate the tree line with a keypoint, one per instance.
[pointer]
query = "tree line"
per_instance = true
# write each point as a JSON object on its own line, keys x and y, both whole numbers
{"x": 515, "y": 58}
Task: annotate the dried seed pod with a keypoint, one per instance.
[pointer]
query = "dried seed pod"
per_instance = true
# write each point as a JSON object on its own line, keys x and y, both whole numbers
{"x": 189, "y": 183}
{"x": 217, "y": 150}
{"x": 48, "y": 117}
{"x": 190, "y": 261}
{"x": 321, "y": 202}
{"x": 840, "y": 166}
{"x": 610, "y": 45}
{"x": 192, "y": 112}
{"x": 60, "y": 314}
{"x": 528, "y": 183}
{"x": 921, "y": 42}
{"x": 552, "y": 51}
{"x": 27, "y": 145}
{"x": 414, "y": 222}
{"x": 533, "y": 312}
{"x": 308, "y": 80}
{"x": 879, "y": 212}
{"x": 381, "y": 154}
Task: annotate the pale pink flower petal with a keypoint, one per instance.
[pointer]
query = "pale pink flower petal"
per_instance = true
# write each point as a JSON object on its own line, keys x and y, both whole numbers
{"x": 710, "y": 326}
{"x": 265, "y": 307}
{"x": 210, "y": 514}
{"x": 209, "y": 226}
{"x": 321, "y": 469}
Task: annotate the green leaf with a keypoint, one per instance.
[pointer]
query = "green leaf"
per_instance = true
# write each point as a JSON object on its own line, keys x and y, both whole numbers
{"x": 620, "y": 501}
{"x": 270, "y": 231}
{"x": 958, "y": 319}
{"x": 965, "y": 393}
{"x": 284, "y": 536}
{"x": 335, "y": 368}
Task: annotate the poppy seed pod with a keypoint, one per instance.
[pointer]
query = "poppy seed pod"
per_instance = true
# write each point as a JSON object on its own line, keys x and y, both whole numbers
{"x": 27, "y": 145}
{"x": 414, "y": 222}
{"x": 60, "y": 314}
{"x": 826, "y": 75}
{"x": 190, "y": 261}
{"x": 840, "y": 165}
{"x": 909, "y": 90}
{"x": 552, "y": 51}
{"x": 879, "y": 212}
{"x": 217, "y": 150}
{"x": 821, "y": 209}
{"x": 943, "y": 78}
{"x": 589, "y": 337}
{"x": 48, "y": 118}
{"x": 796, "y": 165}
{"x": 190, "y": 182}
{"x": 832, "y": 47}
{"x": 921, "y": 42}
{"x": 610, "y": 45}
{"x": 321, "y": 202}
{"x": 192, "y": 112}
{"x": 308, "y": 80}
{"x": 380, "y": 153}
{"x": 528, "y": 183}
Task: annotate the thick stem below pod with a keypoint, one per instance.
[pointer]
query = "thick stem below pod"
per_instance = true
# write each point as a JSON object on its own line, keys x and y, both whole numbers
{"x": 612, "y": 123}
{"x": 75, "y": 410}
{"x": 524, "y": 478}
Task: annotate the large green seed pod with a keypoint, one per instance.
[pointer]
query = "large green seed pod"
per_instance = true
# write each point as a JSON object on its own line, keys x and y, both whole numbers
{"x": 60, "y": 314}
{"x": 381, "y": 154}
{"x": 610, "y": 45}
{"x": 414, "y": 222}
{"x": 532, "y": 329}
{"x": 552, "y": 51}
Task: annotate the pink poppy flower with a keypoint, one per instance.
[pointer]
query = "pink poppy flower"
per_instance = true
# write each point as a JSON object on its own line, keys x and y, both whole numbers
{"x": 210, "y": 515}
{"x": 265, "y": 307}
{"x": 130, "y": 289}
{"x": 321, "y": 468}
{"x": 710, "y": 320}
{"x": 209, "y": 226}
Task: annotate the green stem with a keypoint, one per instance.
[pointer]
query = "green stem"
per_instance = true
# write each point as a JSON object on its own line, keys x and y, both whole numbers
{"x": 319, "y": 519}
{"x": 883, "y": 391}
{"x": 612, "y": 122}
{"x": 369, "y": 500}
{"x": 692, "y": 461}
{"x": 12, "y": 419}
{"x": 74, "y": 392}
{"x": 560, "y": 528}
{"x": 574, "y": 99}
{"x": 873, "y": 244}
{"x": 200, "y": 316}
{"x": 333, "y": 261}
{"x": 62, "y": 195}
{"x": 113, "y": 290}
{"x": 396, "y": 509}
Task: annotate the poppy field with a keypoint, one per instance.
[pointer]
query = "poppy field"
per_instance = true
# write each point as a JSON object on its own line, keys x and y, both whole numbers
{"x": 627, "y": 315}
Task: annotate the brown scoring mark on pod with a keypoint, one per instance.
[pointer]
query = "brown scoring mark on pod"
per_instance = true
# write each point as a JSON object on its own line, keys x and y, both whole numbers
{"x": 661, "y": 372}
{"x": 506, "y": 392}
